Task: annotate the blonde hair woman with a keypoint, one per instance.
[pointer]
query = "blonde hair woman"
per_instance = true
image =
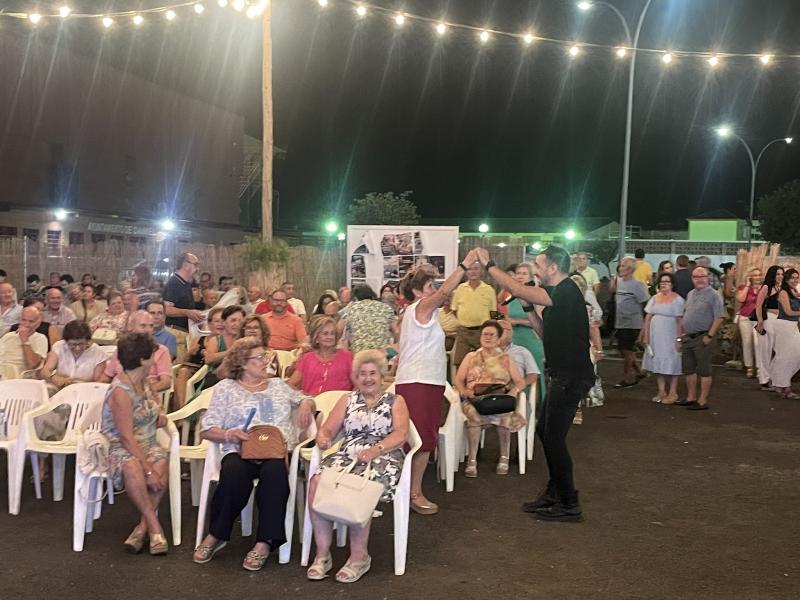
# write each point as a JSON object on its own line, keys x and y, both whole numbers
{"x": 325, "y": 368}
{"x": 746, "y": 296}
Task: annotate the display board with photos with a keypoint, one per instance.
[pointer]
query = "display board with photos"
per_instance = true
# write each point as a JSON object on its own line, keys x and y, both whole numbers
{"x": 380, "y": 254}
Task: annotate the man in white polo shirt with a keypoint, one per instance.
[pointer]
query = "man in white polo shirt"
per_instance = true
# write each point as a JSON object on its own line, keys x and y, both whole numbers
{"x": 24, "y": 348}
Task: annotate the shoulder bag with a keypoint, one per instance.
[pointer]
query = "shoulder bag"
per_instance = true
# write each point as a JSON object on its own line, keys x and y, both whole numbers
{"x": 265, "y": 442}
{"x": 347, "y": 498}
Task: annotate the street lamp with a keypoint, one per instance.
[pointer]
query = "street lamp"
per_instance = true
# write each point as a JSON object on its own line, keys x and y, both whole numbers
{"x": 633, "y": 43}
{"x": 167, "y": 225}
{"x": 570, "y": 234}
{"x": 331, "y": 227}
{"x": 726, "y": 131}
{"x": 483, "y": 228}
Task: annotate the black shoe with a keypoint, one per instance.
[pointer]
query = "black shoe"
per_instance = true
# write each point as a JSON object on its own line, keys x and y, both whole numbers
{"x": 561, "y": 512}
{"x": 547, "y": 498}
{"x": 685, "y": 402}
{"x": 697, "y": 406}
{"x": 624, "y": 384}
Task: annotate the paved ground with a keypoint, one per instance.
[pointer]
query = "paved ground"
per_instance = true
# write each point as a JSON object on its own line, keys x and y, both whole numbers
{"x": 679, "y": 505}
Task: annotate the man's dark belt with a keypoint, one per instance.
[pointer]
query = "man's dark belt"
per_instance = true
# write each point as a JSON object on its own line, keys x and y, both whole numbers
{"x": 691, "y": 336}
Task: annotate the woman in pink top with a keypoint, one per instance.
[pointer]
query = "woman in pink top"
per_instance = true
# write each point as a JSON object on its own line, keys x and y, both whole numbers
{"x": 746, "y": 295}
{"x": 325, "y": 368}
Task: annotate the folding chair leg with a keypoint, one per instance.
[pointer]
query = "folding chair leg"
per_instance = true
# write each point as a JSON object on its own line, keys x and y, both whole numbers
{"x": 37, "y": 478}
{"x": 341, "y": 534}
{"x": 247, "y": 516}
{"x": 79, "y": 510}
{"x": 59, "y": 466}
{"x": 196, "y": 475}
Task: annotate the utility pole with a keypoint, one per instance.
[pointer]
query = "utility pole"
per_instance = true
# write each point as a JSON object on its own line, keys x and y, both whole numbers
{"x": 267, "y": 145}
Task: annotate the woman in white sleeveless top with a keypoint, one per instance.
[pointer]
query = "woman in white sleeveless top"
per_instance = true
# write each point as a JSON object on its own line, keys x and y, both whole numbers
{"x": 422, "y": 366}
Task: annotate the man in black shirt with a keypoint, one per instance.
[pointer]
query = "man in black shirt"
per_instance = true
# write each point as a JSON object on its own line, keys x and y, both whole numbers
{"x": 178, "y": 300}
{"x": 683, "y": 276}
{"x": 564, "y": 329}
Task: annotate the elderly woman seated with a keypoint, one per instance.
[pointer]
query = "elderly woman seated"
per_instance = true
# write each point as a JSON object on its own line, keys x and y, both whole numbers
{"x": 113, "y": 319}
{"x": 247, "y": 390}
{"x": 130, "y": 418}
{"x": 74, "y": 358}
{"x": 375, "y": 429}
{"x": 489, "y": 368}
{"x": 197, "y": 355}
{"x": 325, "y": 368}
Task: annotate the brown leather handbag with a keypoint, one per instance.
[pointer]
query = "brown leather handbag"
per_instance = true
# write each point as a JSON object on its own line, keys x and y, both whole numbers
{"x": 265, "y": 442}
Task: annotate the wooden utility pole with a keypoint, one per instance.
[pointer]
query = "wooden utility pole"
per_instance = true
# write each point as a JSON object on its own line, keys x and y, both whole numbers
{"x": 267, "y": 144}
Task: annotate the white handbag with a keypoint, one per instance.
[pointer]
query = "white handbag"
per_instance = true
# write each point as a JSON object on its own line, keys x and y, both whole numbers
{"x": 104, "y": 336}
{"x": 347, "y": 498}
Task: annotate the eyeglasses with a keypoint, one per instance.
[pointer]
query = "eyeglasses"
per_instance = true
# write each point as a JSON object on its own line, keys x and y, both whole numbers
{"x": 194, "y": 264}
{"x": 76, "y": 345}
{"x": 699, "y": 276}
{"x": 257, "y": 357}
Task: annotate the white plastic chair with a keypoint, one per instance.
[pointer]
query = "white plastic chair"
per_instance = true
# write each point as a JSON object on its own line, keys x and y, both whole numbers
{"x": 17, "y": 396}
{"x": 402, "y": 501}
{"x": 533, "y": 394}
{"x": 89, "y": 486}
{"x": 211, "y": 473}
{"x": 450, "y": 438}
{"x": 195, "y": 454}
{"x": 286, "y": 359}
{"x": 109, "y": 351}
{"x": 81, "y": 397}
{"x": 8, "y": 371}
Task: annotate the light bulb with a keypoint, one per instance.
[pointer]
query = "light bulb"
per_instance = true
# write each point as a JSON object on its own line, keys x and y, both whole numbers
{"x": 399, "y": 19}
{"x": 484, "y": 36}
{"x": 574, "y": 51}
{"x": 765, "y": 59}
{"x": 713, "y": 61}
{"x": 34, "y": 18}
{"x": 199, "y": 8}
{"x": 361, "y": 10}
{"x": 222, "y": 3}
{"x": 441, "y": 28}
{"x": 621, "y": 52}
{"x": 138, "y": 20}
{"x": 64, "y": 11}
{"x": 666, "y": 58}
{"x": 107, "y": 22}
{"x": 528, "y": 38}
{"x": 322, "y": 3}
{"x": 238, "y": 5}
{"x": 170, "y": 15}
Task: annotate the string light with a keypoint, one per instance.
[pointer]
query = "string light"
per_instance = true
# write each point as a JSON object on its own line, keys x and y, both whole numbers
{"x": 528, "y": 38}
{"x": 222, "y": 3}
{"x": 170, "y": 15}
{"x": 574, "y": 51}
{"x": 484, "y": 36}
{"x": 322, "y": 3}
{"x": 399, "y": 19}
{"x": 765, "y": 59}
{"x": 252, "y": 12}
{"x": 666, "y": 58}
{"x": 238, "y": 5}
{"x": 713, "y": 61}
{"x": 199, "y": 8}
{"x": 34, "y": 18}
{"x": 138, "y": 20}
{"x": 621, "y": 52}
{"x": 441, "y": 28}
{"x": 64, "y": 11}
{"x": 361, "y": 10}
{"x": 107, "y": 22}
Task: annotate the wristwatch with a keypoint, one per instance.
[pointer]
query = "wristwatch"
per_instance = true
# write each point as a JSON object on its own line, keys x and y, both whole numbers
{"x": 461, "y": 264}
{"x": 490, "y": 263}
{"x": 382, "y": 448}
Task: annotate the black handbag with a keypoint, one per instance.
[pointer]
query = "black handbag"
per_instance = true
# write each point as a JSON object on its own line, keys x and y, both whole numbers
{"x": 495, "y": 404}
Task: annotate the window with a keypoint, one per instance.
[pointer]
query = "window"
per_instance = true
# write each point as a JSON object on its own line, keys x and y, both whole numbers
{"x": 118, "y": 238}
{"x": 98, "y": 237}
{"x": 8, "y": 231}
{"x": 53, "y": 243}
{"x": 75, "y": 238}
{"x": 31, "y": 234}
{"x": 136, "y": 239}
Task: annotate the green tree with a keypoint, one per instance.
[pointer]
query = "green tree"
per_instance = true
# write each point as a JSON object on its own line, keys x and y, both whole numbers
{"x": 603, "y": 251}
{"x": 779, "y": 215}
{"x": 383, "y": 208}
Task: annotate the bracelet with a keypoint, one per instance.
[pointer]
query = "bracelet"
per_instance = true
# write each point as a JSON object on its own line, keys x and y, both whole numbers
{"x": 490, "y": 263}
{"x": 461, "y": 264}
{"x": 529, "y": 308}
{"x": 382, "y": 448}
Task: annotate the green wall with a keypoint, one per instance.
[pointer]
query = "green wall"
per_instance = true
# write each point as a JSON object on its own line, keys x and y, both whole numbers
{"x": 714, "y": 231}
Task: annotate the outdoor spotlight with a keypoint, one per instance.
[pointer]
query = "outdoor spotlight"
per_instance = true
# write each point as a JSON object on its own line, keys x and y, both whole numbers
{"x": 713, "y": 61}
{"x": 107, "y": 22}
{"x": 666, "y": 58}
{"x": 342, "y": 236}
{"x": 483, "y": 228}
{"x": 60, "y": 214}
{"x": 501, "y": 245}
{"x": 34, "y": 18}
{"x": 724, "y": 131}
{"x": 621, "y": 52}
{"x": 138, "y": 19}
{"x": 167, "y": 225}
{"x": 170, "y": 15}
{"x": 399, "y": 19}
{"x": 441, "y": 28}
{"x": 64, "y": 11}
{"x": 570, "y": 234}
{"x": 788, "y": 140}
{"x": 584, "y": 5}
{"x": 765, "y": 59}
{"x": 528, "y": 38}
{"x": 199, "y": 8}
{"x": 536, "y": 245}
{"x": 331, "y": 227}
{"x": 574, "y": 51}
{"x": 484, "y": 36}
{"x": 361, "y": 10}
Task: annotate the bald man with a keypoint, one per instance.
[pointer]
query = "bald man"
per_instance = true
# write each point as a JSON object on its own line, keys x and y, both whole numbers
{"x": 160, "y": 377}
{"x": 24, "y": 348}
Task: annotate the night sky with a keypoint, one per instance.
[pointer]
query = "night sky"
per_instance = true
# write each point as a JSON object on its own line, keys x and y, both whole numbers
{"x": 497, "y": 130}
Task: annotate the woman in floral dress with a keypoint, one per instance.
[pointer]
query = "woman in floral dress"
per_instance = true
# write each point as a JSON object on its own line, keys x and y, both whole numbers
{"x": 375, "y": 430}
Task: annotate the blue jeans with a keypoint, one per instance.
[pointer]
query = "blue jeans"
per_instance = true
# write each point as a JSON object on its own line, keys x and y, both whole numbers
{"x": 555, "y": 417}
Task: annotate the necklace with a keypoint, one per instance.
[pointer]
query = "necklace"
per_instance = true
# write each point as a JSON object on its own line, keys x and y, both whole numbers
{"x": 259, "y": 383}
{"x": 133, "y": 384}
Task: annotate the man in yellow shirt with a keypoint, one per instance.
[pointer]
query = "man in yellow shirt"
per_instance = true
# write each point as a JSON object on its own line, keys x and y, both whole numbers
{"x": 472, "y": 302}
{"x": 643, "y": 272}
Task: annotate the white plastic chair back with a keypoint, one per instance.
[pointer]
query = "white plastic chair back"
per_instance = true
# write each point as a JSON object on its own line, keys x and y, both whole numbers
{"x": 451, "y": 436}
{"x": 533, "y": 394}
{"x": 18, "y": 396}
{"x": 286, "y": 359}
{"x": 109, "y": 351}
{"x": 196, "y": 453}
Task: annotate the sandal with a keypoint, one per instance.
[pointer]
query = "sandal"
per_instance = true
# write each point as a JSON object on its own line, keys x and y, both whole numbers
{"x": 135, "y": 541}
{"x": 319, "y": 568}
{"x": 158, "y": 544}
{"x": 502, "y": 466}
{"x": 670, "y": 399}
{"x": 578, "y": 418}
{"x": 352, "y": 571}
{"x": 204, "y": 553}
{"x": 472, "y": 469}
{"x": 254, "y": 560}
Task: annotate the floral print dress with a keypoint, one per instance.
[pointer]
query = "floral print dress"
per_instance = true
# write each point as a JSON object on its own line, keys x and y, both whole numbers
{"x": 487, "y": 368}
{"x": 365, "y": 427}
{"x": 145, "y": 419}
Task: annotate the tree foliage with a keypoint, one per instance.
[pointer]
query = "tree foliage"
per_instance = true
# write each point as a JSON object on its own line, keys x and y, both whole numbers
{"x": 779, "y": 215}
{"x": 258, "y": 255}
{"x": 383, "y": 208}
{"x": 602, "y": 251}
